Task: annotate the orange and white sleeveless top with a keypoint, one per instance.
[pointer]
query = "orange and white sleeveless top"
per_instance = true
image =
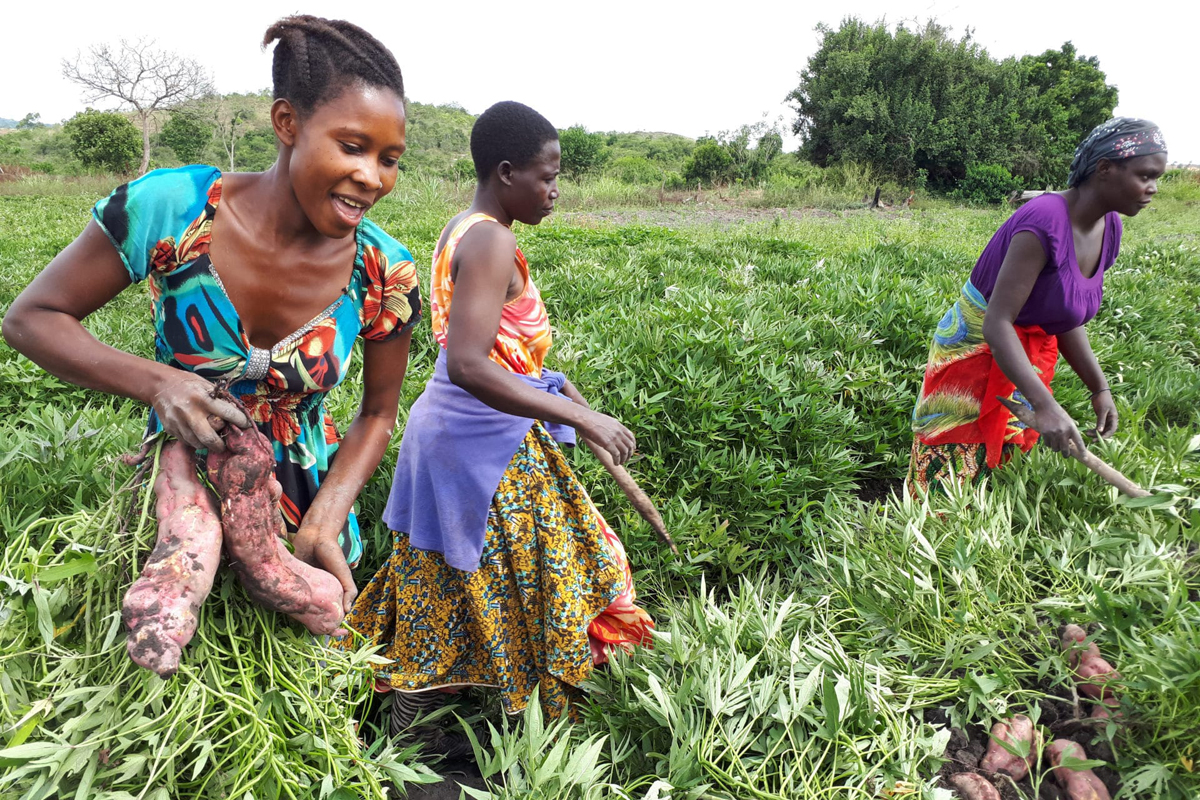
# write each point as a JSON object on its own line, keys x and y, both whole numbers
{"x": 524, "y": 335}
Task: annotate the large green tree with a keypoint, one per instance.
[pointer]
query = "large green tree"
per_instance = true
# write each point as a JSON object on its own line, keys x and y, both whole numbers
{"x": 188, "y": 135}
{"x": 916, "y": 101}
{"x": 582, "y": 152}
{"x": 104, "y": 140}
{"x": 1070, "y": 96}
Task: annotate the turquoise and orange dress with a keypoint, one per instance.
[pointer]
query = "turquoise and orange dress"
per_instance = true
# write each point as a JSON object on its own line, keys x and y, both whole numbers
{"x": 546, "y": 593}
{"x": 161, "y": 225}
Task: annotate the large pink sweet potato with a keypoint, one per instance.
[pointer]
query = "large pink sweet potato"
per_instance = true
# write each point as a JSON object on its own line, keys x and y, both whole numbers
{"x": 244, "y": 476}
{"x": 974, "y": 787}
{"x": 1019, "y": 733}
{"x": 160, "y": 609}
{"x": 1080, "y": 784}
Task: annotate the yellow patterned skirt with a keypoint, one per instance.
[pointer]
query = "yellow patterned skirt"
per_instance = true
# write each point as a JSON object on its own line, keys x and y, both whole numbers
{"x": 552, "y": 594}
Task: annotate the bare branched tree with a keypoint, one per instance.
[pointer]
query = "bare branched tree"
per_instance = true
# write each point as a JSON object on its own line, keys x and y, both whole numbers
{"x": 141, "y": 77}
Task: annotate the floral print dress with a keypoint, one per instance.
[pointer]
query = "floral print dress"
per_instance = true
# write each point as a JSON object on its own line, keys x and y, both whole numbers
{"x": 553, "y": 594}
{"x": 161, "y": 225}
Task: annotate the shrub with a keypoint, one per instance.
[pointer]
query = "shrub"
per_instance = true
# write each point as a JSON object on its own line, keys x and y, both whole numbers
{"x": 709, "y": 163}
{"x": 673, "y": 180}
{"x": 986, "y": 183}
{"x": 187, "y": 136}
{"x": 104, "y": 140}
{"x": 635, "y": 169}
{"x": 256, "y": 151}
{"x": 582, "y": 152}
{"x": 464, "y": 170}
{"x": 795, "y": 170}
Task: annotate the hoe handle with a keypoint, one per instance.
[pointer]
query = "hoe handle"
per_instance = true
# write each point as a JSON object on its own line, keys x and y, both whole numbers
{"x": 1087, "y": 458}
{"x": 640, "y": 500}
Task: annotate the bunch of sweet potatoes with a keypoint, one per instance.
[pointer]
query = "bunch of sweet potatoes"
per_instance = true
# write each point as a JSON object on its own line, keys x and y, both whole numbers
{"x": 1096, "y": 680}
{"x": 1095, "y": 677}
{"x": 161, "y": 608}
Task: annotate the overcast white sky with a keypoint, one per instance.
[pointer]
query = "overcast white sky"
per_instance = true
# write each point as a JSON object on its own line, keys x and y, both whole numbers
{"x": 627, "y": 65}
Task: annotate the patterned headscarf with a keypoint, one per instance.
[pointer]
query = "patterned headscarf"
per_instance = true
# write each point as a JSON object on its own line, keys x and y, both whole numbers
{"x": 1118, "y": 139}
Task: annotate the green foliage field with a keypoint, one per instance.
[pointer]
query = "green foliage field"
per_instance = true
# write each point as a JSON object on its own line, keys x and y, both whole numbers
{"x": 814, "y": 644}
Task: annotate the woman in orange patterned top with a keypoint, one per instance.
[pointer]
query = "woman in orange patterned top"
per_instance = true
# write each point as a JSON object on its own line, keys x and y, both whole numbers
{"x": 503, "y": 574}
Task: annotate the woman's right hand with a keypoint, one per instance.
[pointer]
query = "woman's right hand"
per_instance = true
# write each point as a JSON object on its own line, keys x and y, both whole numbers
{"x": 1058, "y": 429}
{"x": 605, "y": 432}
{"x": 188, "y": 411}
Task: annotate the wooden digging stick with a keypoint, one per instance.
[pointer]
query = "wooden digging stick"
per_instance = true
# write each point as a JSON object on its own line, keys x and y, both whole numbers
{"x": 1087, "y": 458}
{"x": 641, "y": 501}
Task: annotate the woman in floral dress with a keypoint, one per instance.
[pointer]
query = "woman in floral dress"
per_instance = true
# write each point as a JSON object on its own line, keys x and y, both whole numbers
{"x": 264, "y": 280}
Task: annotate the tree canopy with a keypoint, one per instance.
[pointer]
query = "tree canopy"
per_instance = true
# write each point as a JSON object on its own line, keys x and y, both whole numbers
{"x": 104, "y": 140}
{"x": 918, "y": 103}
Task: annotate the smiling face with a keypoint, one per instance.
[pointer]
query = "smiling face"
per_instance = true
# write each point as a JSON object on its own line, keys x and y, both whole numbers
{"x": 1128, "y": 186}
{"x": 344, "y": 154}
{"x": 530, "y": 190}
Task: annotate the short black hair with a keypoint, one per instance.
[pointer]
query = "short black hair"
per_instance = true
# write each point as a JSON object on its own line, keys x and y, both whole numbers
{"x": 317, "y": 58}
{"x": 508, "y": 131}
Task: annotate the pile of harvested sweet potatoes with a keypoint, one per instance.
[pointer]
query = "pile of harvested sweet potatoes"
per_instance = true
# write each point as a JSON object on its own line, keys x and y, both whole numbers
{"x": 1015, "y": 743}
{"x": 161, "y": 608}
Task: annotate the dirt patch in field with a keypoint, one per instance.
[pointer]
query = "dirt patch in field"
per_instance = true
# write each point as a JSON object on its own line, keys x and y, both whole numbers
{"x": 11, "y": 172}
{"x": 871, "y": 490}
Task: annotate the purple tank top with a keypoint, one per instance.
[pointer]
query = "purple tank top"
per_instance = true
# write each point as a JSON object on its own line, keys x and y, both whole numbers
{"x": 1062, "y": 299}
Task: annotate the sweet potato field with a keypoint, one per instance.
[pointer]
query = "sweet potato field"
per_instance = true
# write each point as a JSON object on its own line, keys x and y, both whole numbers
{"x": 821, "y": 635}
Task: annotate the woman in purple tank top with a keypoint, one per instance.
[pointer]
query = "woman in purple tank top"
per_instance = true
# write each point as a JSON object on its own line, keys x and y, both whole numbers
{"x": 1038, "y": 281}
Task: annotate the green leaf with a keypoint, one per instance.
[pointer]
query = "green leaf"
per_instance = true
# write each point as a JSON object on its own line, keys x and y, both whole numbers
{"x": 30, "y": 751}
{"x": 82, "y": 563}
{"x": 1149, "y": 501}
{"x": 45, "y": 621}
{"x": 1075, "y": 764}
{"x": 982, "y": 651}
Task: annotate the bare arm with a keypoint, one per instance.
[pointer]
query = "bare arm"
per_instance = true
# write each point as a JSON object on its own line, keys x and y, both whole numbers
{"x": 1022, "y": 264}
{"x": 361, "y": 449}
{"x": 1077, "y": 350}
{"x": 485, "y": 256}
{"x": 45, "y": 324}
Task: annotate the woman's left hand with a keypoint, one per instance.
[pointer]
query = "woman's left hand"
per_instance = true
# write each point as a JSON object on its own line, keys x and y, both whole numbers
{"x": 1106, "y": 413}
{"x": 320, "y": 549}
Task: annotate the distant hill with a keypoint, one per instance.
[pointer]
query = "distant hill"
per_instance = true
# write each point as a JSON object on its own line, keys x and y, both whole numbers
{"x": 7, "y": 123}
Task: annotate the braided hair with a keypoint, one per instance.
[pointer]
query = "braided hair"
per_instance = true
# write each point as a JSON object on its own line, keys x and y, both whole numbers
{"x": 317, "y": 58}
{"x": 508, "y": 131}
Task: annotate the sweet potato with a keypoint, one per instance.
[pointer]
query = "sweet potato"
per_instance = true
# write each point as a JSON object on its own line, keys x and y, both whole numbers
{"x": 1017, "y": 732}
{"x": 244, "y": 475}
{"x": 1092, "y": 672}
{"x": 1109, "y": 707}
{"x": 1095, "y": 676}
{"x": 1079, "y": 784}
{"x": 974, "y": 787}
{"x": 160, "y": 608}
{"x": 1073, "y": 638}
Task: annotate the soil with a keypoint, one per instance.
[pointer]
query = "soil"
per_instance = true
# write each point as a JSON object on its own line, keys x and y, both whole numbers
{"x": 454, "y": 776}
{"x": 871, "y": 490}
